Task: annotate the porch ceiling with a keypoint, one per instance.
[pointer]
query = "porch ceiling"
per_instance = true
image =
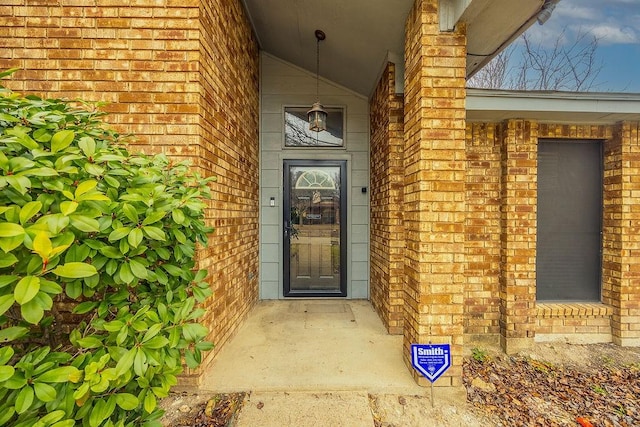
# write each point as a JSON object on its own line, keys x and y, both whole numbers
{"x": 363, "y": 34}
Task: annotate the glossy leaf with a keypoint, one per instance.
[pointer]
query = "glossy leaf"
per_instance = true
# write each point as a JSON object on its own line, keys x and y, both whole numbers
{"x": 58, "y": 375}
{"x": 24, "y": 400}
{"x": 75, "y": 270}
{"x": 32, "y": 312}
{"x": 61, "y": 140}
{"x": 8, "y": 229}
{"x": 26, "y": 289}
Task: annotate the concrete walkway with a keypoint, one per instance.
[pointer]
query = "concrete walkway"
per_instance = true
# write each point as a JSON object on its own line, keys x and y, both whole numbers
{"x": 311, "y": 363}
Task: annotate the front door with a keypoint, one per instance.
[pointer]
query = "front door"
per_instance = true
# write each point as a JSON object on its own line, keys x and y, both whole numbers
{"x": 314, "y": 228}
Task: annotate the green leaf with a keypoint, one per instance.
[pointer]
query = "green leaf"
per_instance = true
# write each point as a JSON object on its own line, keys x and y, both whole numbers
{"x": 98, "y": 413}
{"x": 50, "y": 287}
{"x": 32, "y": 312}
{"x": 45, "y": 392}
{"x": 51, "y": 417}
{"x": 85, "y": 307}
{"x": 42, "y": 135}
{"x": 39, "y": 172}
{"x": 194, "y": 331}
{"x": 85, "y": 187}
{"x": 126, "y": 362}
{"x": 29, "y": 210}
{"x": 125, "y": 273}
{"x": 26, "y": 289}
{"x": 87, "y": 145}
{"x": 7, "y": 260}
{"x": 73, "y": 289}
{"x": 178, "y": 216}
{"x": 110, "y": 252}
{"x": 138, "y": 269}
{"x": 172, "y": 270}
{"x": 61, "y": 140}
{"x": 68, "y": 207}
{"x": 190, "y": 359}
{"x": 6, "y": 372}
{"x": 8, "y": 229}
{"x": 75, "y": 270}
{"x": 152, "y": 332}
{"x": 7, "y": 280}
{"x": 205, "y": 346}
{"x": 140, "y": 364}
{"x": 56, "y": 223}
{"x": 90, "y": 342}
{"x": 7, "y": 244}
{"x": 84, "y": 223}
{"x": 135, "y": 237}
{"x": 65, "y": 423}
{"x": 156, "y": 342}
{"x": 20, "y": 183}
{"x": 149, "y": 403}
{"x": 6, "y": 353}
{"x": 130, "y": 212}
{"x": 153, "y": 217}
{"x": 119, "y": 233}
{"x": 154, "y": 233}
{"x": 59, "y": 375}
{"x": 127, "y": 401}
{"x": 11, "y": 333}
{"x": 6, "y": 415}
{"x": 111, "y": 181}
{"x": 24, "y": 400}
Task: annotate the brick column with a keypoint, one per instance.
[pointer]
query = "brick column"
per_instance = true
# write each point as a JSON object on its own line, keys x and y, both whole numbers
{"x": 518, "y": 235}
{"x": 387, "y": 193}
{"x": 434, "y": 206}
{"x": 625, "y": 295}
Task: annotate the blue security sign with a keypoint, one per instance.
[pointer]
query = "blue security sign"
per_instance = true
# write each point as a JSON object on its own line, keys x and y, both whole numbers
{"x": 431, "y": 360}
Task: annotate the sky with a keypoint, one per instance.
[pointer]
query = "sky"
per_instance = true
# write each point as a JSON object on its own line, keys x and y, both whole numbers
{"x": 615, "y": 24}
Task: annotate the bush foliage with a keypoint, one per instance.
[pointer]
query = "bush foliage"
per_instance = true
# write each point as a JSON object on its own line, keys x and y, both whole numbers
{"x": 87, "y": 225}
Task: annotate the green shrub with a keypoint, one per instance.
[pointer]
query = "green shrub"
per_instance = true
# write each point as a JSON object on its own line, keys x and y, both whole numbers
{"x": 87, "y": 225}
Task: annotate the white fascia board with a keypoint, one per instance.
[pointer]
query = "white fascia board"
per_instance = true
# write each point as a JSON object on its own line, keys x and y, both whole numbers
{"x": 567, "y": 102}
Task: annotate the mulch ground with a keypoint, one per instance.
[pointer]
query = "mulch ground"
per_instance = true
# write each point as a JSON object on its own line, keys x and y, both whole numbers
{"x": 219, "y": 411}
{"x": 525, "y": 392}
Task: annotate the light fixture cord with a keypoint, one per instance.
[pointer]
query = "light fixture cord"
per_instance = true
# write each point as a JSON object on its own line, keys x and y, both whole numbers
{"x": 317, "y": 69}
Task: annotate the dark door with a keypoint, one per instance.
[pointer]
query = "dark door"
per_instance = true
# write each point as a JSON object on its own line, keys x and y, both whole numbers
{"x": 568, "y": 259}
{"x": 314, "y": 228}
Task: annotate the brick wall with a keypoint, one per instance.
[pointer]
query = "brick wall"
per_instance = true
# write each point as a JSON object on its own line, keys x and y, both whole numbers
{"x": 507, "y": 226}
{"x": 519, "y": 154}
{"x": 434, "y": 199}
{"x": 229, "y": 111}
{"x": 482, "y": 231}
{"x": 624, "y": 252}
{"x": 387, "y": 193}
{"x": 142, "y": 60}
{"x": 182, "y": 75}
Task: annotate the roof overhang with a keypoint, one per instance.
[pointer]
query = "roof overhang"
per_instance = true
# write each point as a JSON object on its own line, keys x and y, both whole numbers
{"x": 484, "y": 105}
{"x": 362, "y": 35}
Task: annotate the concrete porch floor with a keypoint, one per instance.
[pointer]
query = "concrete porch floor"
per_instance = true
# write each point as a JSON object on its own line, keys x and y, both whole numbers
{"x": 312, "y": 345}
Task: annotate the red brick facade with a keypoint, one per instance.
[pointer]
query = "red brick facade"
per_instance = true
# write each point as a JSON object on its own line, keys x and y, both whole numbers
{"x": 180, "y": 75}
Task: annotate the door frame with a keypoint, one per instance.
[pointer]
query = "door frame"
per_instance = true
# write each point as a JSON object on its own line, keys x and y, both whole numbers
{"x": 286, "y": 238}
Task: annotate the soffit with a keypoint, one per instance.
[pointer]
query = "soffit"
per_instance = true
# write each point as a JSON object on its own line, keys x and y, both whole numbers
{"x": 363, "y": 34}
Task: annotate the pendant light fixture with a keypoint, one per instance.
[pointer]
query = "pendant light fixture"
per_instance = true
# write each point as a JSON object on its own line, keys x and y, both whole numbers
{"x": 317, "y": 116}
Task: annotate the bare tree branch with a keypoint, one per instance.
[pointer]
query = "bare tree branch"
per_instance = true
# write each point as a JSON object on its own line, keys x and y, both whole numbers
{"x": 562, "y": 66}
